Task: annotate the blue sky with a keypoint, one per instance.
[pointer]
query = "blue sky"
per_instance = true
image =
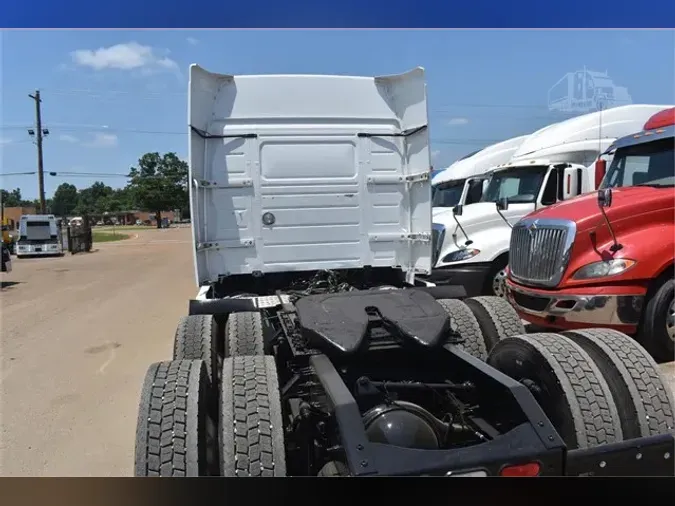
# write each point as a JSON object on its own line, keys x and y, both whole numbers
{"x": 110, "y": 96}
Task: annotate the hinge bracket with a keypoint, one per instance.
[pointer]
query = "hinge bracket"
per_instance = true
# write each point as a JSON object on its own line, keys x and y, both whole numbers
{"x": 397, "y": 179}
{"x": 237, "y": 183}
{"x": 391, "y": 237}
{"x": 218, "y": 245}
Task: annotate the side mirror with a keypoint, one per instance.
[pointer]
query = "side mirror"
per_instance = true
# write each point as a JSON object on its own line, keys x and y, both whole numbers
{"x": 600, "y": 170}
{"x": 503, "y": 204}
{"x": 458, "y": 210}
{"x": 605, "y": 197}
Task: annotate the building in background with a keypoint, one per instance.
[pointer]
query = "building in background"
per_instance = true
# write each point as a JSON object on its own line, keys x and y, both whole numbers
{"x": 12, "y": 215}
{"x": 130, "y": 217}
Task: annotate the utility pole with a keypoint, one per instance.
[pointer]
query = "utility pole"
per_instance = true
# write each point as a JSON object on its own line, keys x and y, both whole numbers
{"x": 38, "y": 134}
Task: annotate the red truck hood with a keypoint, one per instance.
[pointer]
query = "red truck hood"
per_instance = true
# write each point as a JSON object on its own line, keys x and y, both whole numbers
{"x": 627, "y": 202}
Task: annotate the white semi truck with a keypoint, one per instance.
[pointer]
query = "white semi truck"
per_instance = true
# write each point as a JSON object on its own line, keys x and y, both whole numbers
{"x": 555, "y": 163}
{"x": 312, "y": 349}
{"x": 464, "y": 181}
{"x": 39, "y": 235}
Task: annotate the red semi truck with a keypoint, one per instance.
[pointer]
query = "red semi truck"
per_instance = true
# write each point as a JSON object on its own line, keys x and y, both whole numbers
{"x": 607, "y": 259}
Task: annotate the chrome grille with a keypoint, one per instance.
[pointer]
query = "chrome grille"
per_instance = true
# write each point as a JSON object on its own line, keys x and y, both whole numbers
{"x": 437, "y": 236}
{"x": 539, "y": 250}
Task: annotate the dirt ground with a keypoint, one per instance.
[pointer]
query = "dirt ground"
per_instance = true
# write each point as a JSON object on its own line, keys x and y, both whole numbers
{"x": 78, "y": 334}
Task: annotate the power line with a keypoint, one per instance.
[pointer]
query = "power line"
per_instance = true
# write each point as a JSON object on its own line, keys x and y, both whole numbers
{"x": 444, "y": 140}
{"x": 184, "y": 93}
{"x": 89, "y": 93}
{"x": 18, "y": 174}
{"x": 122, "y": 130}
{"x": 67, "y": 174}
{"x": 117, "y": 92}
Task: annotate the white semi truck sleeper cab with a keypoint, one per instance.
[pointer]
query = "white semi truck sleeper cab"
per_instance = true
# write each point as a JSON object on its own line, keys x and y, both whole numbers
{"x": 38, "y": 235}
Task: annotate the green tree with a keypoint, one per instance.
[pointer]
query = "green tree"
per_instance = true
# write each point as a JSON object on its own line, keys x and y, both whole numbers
{"x": 13, "y": 198}
{"x": 36, "y": 204}
{"x": 65, "y": 200}
{"x": 88, "y": 199}
{"x": 116, "y": 201}
{"x": 159, "y": 183}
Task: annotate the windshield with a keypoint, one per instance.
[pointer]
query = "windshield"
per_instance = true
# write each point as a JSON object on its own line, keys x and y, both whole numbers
{"x": 649, "y": 164}
{"x": 447, "y": 195}
{"x": 522, "y": 184}
{"x": 37, "y": 230}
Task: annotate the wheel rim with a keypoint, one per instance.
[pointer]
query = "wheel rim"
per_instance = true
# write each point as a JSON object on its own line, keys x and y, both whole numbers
{"x": 499, "y": 284}
{"x": 670, "y": 320}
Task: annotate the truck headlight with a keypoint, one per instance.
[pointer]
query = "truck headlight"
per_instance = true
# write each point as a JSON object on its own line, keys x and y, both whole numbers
{"x": 459, "y": 255}
{"x": 603, "y": 268}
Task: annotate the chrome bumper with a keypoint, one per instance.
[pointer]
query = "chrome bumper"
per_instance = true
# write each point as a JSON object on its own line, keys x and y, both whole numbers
{"x": 589, "y": 309}
{"x": 46, "y": 249}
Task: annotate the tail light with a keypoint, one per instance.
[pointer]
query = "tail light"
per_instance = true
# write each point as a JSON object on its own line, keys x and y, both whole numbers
{"x": 529, "y": 469}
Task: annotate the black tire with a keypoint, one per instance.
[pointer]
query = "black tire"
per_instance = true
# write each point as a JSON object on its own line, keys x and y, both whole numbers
{"x": 497, "y": 319}
{"x": 641, "y": 394}
{"x": 653, "y": 334}
{"x": 463, "y": 321}
{"x": 566, "y": 383}
{"x": 197, "y": 339}
{"x": 244, "y": 334}
{"x": 171, "y": 433}
{"x": 251, "y": 429}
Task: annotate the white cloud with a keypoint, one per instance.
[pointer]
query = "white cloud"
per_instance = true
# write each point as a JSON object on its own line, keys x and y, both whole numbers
{"x": 6, "y": 140}
{"x": 192, "y": 41}
{"x": 129, "y": 56}
{"x": 435, "y": 153}
{"x": 458, "y": 121}
{"x": 68, "y": 138}
{"x": 101, "y": 140}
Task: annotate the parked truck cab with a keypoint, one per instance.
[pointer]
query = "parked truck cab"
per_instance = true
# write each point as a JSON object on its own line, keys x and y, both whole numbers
{"x": 466, "y": 179}
{"x": 38, "y": 235}
{"x": 607, "y": 258}
{"x": 554, "y": 164}
{"x": 313, "y": 348}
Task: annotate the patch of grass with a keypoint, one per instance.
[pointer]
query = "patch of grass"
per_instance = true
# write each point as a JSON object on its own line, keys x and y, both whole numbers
{"x": 99, "y": 236}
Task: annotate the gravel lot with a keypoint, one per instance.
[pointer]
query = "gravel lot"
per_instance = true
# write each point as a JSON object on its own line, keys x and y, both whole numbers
{"x": 78, "y": 334}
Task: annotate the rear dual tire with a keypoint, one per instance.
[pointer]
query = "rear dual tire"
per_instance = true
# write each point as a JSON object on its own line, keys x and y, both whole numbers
{"x": 481, "y": 322}
{"x": 251, "y": 427}
{"x": 173, "y": 434}
{"x": 642, "y": 395}
{"x": 181, "y": 402}
{"x": 596, "y": 386}
{"x": 244, "y": 334}
{"x": 198, "y": 337}
{"x": 177, "y": 437}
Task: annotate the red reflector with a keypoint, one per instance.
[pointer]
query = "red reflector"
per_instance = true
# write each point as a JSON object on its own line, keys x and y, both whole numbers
{"x": 531, "y": 469}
